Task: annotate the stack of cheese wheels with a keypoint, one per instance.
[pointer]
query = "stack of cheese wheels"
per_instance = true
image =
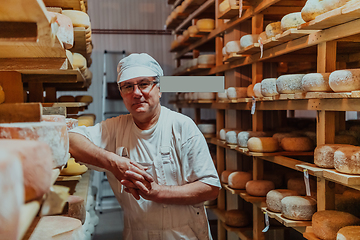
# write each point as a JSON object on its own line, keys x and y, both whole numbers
{"x": 71, "y": 123}
{"x": 76, "y": 208}
{"x": 231, "y": 136}
{"x": 257, "y": 90}
{"x": 232, "y": 47}
{"x": 53, "y": 133}
{"x": 289, "y": 83}
{"x": 297, "y": 144}
{"x": 250, "y": 91}
{"x": 2, "y": 95}
{"x": 222, "y": 95}
{"x": 205, "y": 24}
{"x": 206, "y": 95}
{"x": 274, "y": 197}
{"x": 224, "y": 5}
{"x": 346, "y": 139}
{"x": 207, "y": 128}
{"x": 233, "y": 93}
{"x": 37, "y": 163}
{"x": 291, "y": 20}
{"x": 65, "y": 32}
{"x": 268, "y": 87}
{"x": 244, "y": 136}
{"x": 238, "y": 179}
{"x": 12, "y": 195}
{"x": 327, "y": 223}
{"x": 298, "y": 185}
{"x": 259, "y": 188}
{"x": 272, "y": 29}
{"x": 345, "y": 80}
{"x": 222, "y": 133}
{"x": 58, "y": 227}
{"x": 314, "y": 8}
{"x": 208, "y": 59}
{"x": 316, "y": 82}
{"x": 236, "y": 218}
{"x": 248, "y": 40}
{"x": 263, "y": 144}
{"x": 349, "y": 232}
{"x": 324, "y": 154}
{"x": 225, "y": 175}
{"x": 298, "y": 207}
{"x": 347, "y": 160}
{"x": 79, "y": 62}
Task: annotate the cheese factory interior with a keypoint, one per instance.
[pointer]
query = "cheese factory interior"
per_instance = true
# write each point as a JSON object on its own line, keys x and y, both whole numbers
{"x": 85, "y": 154}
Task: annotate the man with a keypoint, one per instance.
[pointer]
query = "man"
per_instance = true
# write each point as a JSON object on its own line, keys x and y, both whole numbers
{"x": 170, "y": 173}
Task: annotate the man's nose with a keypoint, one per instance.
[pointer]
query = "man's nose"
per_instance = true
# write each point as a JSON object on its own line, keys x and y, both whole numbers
{"x": 137, "y": 90}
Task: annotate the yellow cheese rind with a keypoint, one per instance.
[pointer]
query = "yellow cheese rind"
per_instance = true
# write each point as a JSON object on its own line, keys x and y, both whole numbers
{"x": 272, "y": 29}
{"x": 349, "y": 233}
{"x": 73, "y": 168}
{"x": 2, "y": 95}
{"x": 78, "y": 18}
{"x": 205, "y": 24}
{"x": 79, "y": 61}
{"x": 262, "y": 144}
{"x": 291, "y": 20}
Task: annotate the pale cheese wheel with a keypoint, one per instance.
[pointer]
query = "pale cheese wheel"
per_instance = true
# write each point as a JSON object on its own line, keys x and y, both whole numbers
{"x": 347, "y": 160}
{"x": 257, "y": 90}
{"x": 12, "y": 195}
{"x": 193, "y": 30}
{"x": 206, "y": 59}
{"x": 224, "y": 5}
{"x": 298, "y": 208}
{"x": 327, "y": 223}
{"x": 248, "y": 40}
{"x": 345, "y": 80}
{"x": 259, "y": 188}
{"x": 324, "y": 154}
{"x": 185, "y": 33}
{"x": 65, "y": 32}
{"x": 205, "y": 24}
{"x": 250, "y": 91}
{"x": 69, "y": 56}
{"x": 86, "y": 121}
{"x": 238, "y": 179}
{"x": 346, "y": 139}
{"x": 234, "y": 3}
{"x": 291, "y": 20}
{"x": 224, "y": 53}
{"x": 349, "y": 233}
{"x": 232, "y": 47}
{"x": 59, "y": 228}
{"x": 314, "y": 8}
{"x": 231, "y": 136}
{"x": 236, "y": 218}
{"x": 71, "y": 123}
{"x": 297, "y": 144}
{"x": 206, "y": 128}
{"x": 225, "y": 175}
{"x": 76, "y": 208}
{"x": 234, "y": 93}
{"x": 316, "y": 82}
{"x": 79, "y": 61}
{"x": 262, "y": 37}
{"x": 222, "y": 133}
{"x": 206, "y": 95}
{"x": 84, "y": 98}
{"x": 222, "y": 95}
{"x": 272, "y": 29}
{"x": 66, "y": 98}
{"x": 289, "y": 83}
{"x": 244, "y": 136}
{"x": 52, "y": 133}
{"x": 268, "y": 87}
{"x": 298, "y": 185}
{"x": 274, "y": 197}
{"x": 78, "y": 18}
{"x": 262, "y": 144}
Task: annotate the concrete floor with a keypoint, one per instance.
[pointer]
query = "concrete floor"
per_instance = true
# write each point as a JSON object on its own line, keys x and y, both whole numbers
{"x": 110, "y": 226}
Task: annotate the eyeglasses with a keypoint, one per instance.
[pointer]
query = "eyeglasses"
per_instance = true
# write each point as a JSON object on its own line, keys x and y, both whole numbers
{"x": 144, "y": 86}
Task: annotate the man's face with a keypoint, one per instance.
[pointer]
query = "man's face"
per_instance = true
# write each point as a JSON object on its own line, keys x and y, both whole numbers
{"x": 140, "y": 100}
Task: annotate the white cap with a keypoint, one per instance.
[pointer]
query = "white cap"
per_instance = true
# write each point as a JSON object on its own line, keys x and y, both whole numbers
{"x": 138, "y": 65}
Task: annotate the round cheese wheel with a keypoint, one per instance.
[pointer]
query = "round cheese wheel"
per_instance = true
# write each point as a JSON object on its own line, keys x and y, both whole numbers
{"x": 268, "y": 87}
{"x": 272, "y": 29}
{"x": 324, "y": 154}
{"x": 244, "y": 136}
{"x": 53, "y": 118}
{"x": 76, "y": 208}
{"x": 224, "y": 5}
{"x": 316, "y": 82}
{"x": 225, "y": 175}
{"x": 231, "y": 136}
{"x": 259, "y": 188}
{"x": 279, "y": 136}
{"x": 248, "y": 40}
{"x": 298, "y": 185}
{"x": 236, "y": 218}
{"x": 349, "y": 233}
{"x": 84, "y": 98}
{"x": 238, "y": 179}
{"x": 250, "y": 91}
{"x": 262, "y": 37}
{"x": 222, "y": 95}
{"x": 65, "y": 32}
{"x": 78, "y": 18}
{"x": 207, "y": 128}
{"x": 79, "y": 61}
{"x": 298, "y": 208}
{"x": 297, "y": 144}
{"x": 224, "y": 53}
{"x": 289, "y": 83}
{"x": 193, "y": 30}
{"x": 71, "y": 123}
{"x": 262, "y": 144}
{"x": 206, "y": 59}
{"x": 234, "y": 93}
{"x": 66, "y": 98}
{"x": 185, "y": 33}
{"x": 314, "y": 8}
{"x": 274, "y": 197}
{"x": 257, "y": 90}
{"x": 179, "y": 9}
{"x": 346, "y": 139}
{"x": 205, "y": 24}
{"x": 232, "y": 47}
{"x": 345, "y": 80}
{"x": 291, "y": 20}
{"x": 327, "y": 223}
{"x": 222, "y": 133}
{"x": 347, "y": 160}
{"x": 234, "y": 3}
{"x": 206, "y": 95}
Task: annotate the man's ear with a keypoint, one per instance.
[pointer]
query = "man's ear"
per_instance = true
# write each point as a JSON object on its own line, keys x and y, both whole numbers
{"x": 160, "y": 93}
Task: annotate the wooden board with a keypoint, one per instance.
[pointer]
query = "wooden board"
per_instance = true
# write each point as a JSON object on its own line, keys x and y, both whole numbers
{"x": 255, "y": 48}
{"x": 233, "y": 57}
{"x": 68, "y": 178}
{"x": 54, "y": 111}
{"x": 80, "y": 42}
{"x": 27, "y": 214}
{"x": 244, "y": 233}
{"x": 231, "y": 12}
{"x": 232, "y": 190}
{"x": 64, "y": 4}
{"x": 271, "y": 42}
{"x": 12, "y": 85}
{"x": 287, "y": 222}
{"x": 20, "y": 112}
{"x": 312, "y": 168}
{"x": 292, "y": 34}
{"x": 345, "y": 179}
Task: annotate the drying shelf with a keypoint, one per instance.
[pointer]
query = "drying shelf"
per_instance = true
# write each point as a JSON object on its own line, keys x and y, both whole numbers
{"x": 231, "y": 12}
{"x": 64, "y": 4}
{"x": 200, "y": 68}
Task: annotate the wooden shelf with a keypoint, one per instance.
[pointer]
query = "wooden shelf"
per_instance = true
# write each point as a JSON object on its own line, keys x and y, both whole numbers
{"x": 258, "y": 201}
{"x": 255, "y": 48}
{"x": 309, "y": 234}
{"x": 68, "y": 178}
{"x": 231, "y": 12}
{"x": 52, "y": 76}
{"x": 292, "y": 34}
{"x": 80, "y": 42}
{"x": 200, "y": 68}
{"x": 64, "y": 4}
{"x": 28, "y": 213}
{"x": 232, "y": 57}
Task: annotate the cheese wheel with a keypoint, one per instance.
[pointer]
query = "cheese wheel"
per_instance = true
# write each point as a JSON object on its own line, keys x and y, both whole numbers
{"x": 231, "y": 136}
{"x": 232, "y": 47}
{"x": 194, "y": 62}
{"x": 84, "y": 98}
{"x": 76, "y": 208}
{"x": 257, "y": 90}
{"x": 66, "y": 98}
{"x": 193, "y": 30}
{"x": 238, "y": 179}
{"x": 222, "y": 133}
{"x": 262, "y": 37}
{"x": 234, "y": 93}
{"x": 349, "y": 233}
{"x": 290, "y": 83}
{"x": 349, "y": 202}
{"x": 250, "y": 91}
{"x": 174, "y": 44}
{"x": 222, "y": 95}
{"x": 69, "y": 56}
{"x": 206, "y": 128}
{"x": 179, "y": 9}
{"x": 259, "y": 188}
{"x": 279, "y": 136}
{"x": 206, "y": 59}
{"x": 234, "y": 3}
{"x": 291, "y": 20}
{"x": 347, "y": 160}
{"x": 52, "y": 133}
{"x": 205, "y": 24}
{"x": 79, "y": 61}
{"x": 345, "y": 80}
{"x": 324, "y": 154}
{"x": 180, "y": 39}
{"x": 298, "y": 208}
{"x": 274, "y": 197}
{"x": 225, "y": 175}
{"x": 185, "y": 33}
{"x": 2, "y": 95}
{"x": 298, "y": 185}
{"x": 314, "y": 8}
{"x": 316, "y": 82}
{"x": 346, "y": 139}
{"x": 206, "y": 95}
{"x": 224, "y": 53}
{"x": 262, "y": 144}
{"x": 244, "y": 136}
{"x": 224, "y": 5}
{"x": 297, "y": 144}
{"x": 59, "y": 228}
{"x": 86, "y": 121}
{"x": 268, "y": 87}
{"x": 53, "y": 118}
{"x": 71, "y": 123}
{"x": 12, "y": 195}
{"x": 236, "y": 218}
{"x": 78, "y": 18}
{"x": 272, "y": 29}
{"x": 248, "y": 40}
{"x": 327, "y": 223}
{"x": 65, "y": 32}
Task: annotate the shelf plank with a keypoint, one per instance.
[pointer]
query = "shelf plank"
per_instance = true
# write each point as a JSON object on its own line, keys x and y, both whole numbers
{"x": 52, "y": 76}
{"x": 345, "y": 179}
{"x": 292, "y": 34}
{"x": 299, "y": 225}
{"x": 20, "y": 112}
{"x": 68, "y": 178}
{"x": 255, "y": 48}
{"x": 309, "y": 234}
{"x": 312, "y": 168}
{"x": 200, "y": 68}
{"x": 232, "y": 190}
{"x": 286, "y": 162}
{"x": 64, "y": 4}
{"x": 28, "y": 213}
{"x": 233, "y": 57}
{"x": 271, "y": 42}
{"x": 66, "y": 104}
{"x": 231, "y": 12}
